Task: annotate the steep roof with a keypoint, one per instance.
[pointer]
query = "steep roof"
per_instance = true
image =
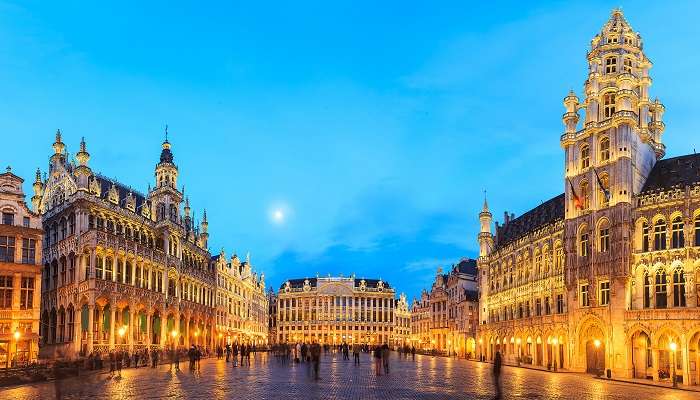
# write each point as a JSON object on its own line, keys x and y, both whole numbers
{"x": 123, "y": 190}
{"x": 546, "y": 213}
{"x": 673, "y": 172}
{"x": 467, "y": 266}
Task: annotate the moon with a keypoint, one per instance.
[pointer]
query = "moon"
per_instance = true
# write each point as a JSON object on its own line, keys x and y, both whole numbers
{"x": 278, "y": 216}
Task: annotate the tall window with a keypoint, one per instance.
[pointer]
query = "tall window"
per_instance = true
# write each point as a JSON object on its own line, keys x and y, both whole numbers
{"x": 604, "y": 190}
{"x": 8, "y": 218}
{"x": 608, "y": 105}
{"x": 605, "y": 149}
{"x": 678, "y": 288}
{"x": 109, "y": 268}
{"x": 660, "y": 235}
{"x": 28, "y": 251}
{"x": 5, "y": 292}
{"x": 661, "y": 291}
{"x": 547, "y": 306}
{"x": 71, "y": 268}
{"x": 583, "y": 291}
{"x": 677, "y": 238}
{"x": 645, "y": 237}
{"x": 583, "y": 243}
{"x": 26, "y": 299}
{"x": 627, "y": 65}
{"x": 7, "y": 249}
{"x": 99, "y": 267}
{"x": 604, "y": 293}
{"x": 647, "y": 290}
{"x": 585, "y": 157}
{"x": 610, "y": 65}
{"x": 604, "y": 237}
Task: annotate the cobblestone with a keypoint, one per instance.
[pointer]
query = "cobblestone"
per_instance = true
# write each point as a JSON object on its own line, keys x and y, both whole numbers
{"x": 426, "y": 378}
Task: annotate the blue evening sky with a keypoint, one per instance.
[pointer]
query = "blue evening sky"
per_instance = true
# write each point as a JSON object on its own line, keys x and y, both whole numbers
{"x": 374, "y": 126}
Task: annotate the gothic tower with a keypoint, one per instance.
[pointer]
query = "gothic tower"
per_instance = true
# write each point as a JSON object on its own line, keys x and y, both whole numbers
{"x": 485, "y": 237}
{"x": 607, "y": 162}
{"x": 165, "y": 197}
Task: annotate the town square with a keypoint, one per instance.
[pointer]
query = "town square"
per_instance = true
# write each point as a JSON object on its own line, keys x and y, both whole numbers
{"x": 350, "y": 201}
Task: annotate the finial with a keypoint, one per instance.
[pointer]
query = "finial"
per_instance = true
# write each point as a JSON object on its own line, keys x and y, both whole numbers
{"x": 58, "y": 136}
{"x": 204, "y": 217}
{"x": 8, "y": 169}
{"x": 166, "y": 133}
{"x": 37, "y": 178}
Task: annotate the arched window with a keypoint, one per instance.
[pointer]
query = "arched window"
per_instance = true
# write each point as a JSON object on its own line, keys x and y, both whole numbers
{"x": 585, "y": 156}
{"x": 697, "y": 230}
{"x": 608, "y": 105}
{"x": 604, "y": 236}
{"x": 677, "y": 238}
{"x": 645, "y": 236}
{"x": 611, "y": 65}
{"x": 647, "y": 290}
{"x": 660, "y": 235}
{"x": 585, "y": 195}
{"x": 583, "y": 242}
{"x": 678, "y": 288}
{"x": 605, "y": 149}
{"x": 660, "y": 289}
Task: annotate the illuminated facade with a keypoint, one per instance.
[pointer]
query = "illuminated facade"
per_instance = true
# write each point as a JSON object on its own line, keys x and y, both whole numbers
{"x": 241, "y": 302}
{"x": 402, "y": 322}
{"x": 335, "y": 310}
{"x": 603, "y": 276}
{"x": 20, "y": 275}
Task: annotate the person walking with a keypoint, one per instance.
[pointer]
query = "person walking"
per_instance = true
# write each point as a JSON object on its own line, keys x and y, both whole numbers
{"x": 497, "y": 361}
{"x": 198, "y": 357}
{"x": 377, "y": 354}
{"x": 136, "y": 359}
{"x": 119, "y": 359}
{"x": 356, "y": 354}
{"x": 191, "y": 355}
{"x": 385, "y": 358}
{"x": 112, "y": 363}
{"x": 304, "y": 350}
{"x": 235, "y": 354}
{"x": 413, "y": 353}
{"x": 316, "y": 358}
{"x": 228, "y": 352}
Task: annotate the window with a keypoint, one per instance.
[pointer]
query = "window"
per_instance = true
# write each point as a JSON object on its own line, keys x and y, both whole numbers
{"x": 627, "y": 65}
{"x": 647, "y": 290}
{"x": 26, "y": 299}
{"x": 645, "y": 237}
{"x": 677, "y": 238}
{"x": 538, "y": 307}
{"x": 7, "y": 249}
{"x": 585, "y": 196}
{"x": 109, "y": 268}
{"x": 99, "y": 268}
{"x": 678, "y": 288}
{"x": 25, "y": 222}
{"x": 605, "y": 149}
{"x": 585, "y": 157}
{"x": 661, "y": 293}
{"x": 8, "y": 218}
{"x": 28, "y": 251}
{"x": 660, "y": 235}
{"x": 585, "y": 301}
{"x": 583, "y": 243}
{"x": 604, "y": 236}
{"x": 547, "y": 306}
{"x": 604, "y": 293}
{"x": 5, "y": 292}
{"x": 608, "y": 105}
{"x": 560, "y": 304}
{"x": 604, "y": 190}
{"x": 611, "y": 65}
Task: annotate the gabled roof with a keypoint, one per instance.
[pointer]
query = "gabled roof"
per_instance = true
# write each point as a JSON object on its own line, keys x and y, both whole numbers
{"x": 546, "y": 213}
{"x": 679, "y": 171}
{"x": 466, "y": 266}
{"x": 122, "y": 190}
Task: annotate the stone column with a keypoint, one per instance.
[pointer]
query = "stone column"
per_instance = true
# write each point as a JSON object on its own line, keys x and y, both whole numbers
{"x": 91, "y": 322}
{"x": 130, "y": 328}
{"x": 163, "y": 327}
{"x": 77, "y": 332}
{"x": 112, "y": 313}
{"x": 149, "y": 315}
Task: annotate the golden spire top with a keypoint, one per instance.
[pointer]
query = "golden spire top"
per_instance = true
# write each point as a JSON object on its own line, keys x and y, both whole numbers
{"x": 37, "y": 177}
{"x": 166, "y": 144}
{"x": 82, "y": 156}
{"x": 617, "y": 22}
{"x": 58, "y": 145}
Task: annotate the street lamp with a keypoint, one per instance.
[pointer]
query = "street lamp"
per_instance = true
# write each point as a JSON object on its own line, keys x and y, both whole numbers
{"x": 673, "y": 346}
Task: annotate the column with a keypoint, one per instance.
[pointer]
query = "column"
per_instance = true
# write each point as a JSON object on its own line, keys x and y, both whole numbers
{"x": 130, "y": 328}
{"x": 149, "y": 315}
{"x": 187, "y": 330}
{"x": 163, "y": 327}
{"x": 112, "y": 312}
{"x": 77, "y": 333}
{"x": 91, "y": 321}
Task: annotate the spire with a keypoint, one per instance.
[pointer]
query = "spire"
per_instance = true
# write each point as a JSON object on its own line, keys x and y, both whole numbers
{"x": 187, "y": 207}
{"x": 82, "y": 156}
{"x": 58, "y": 145}
{"x": 166, "y": 156}
{"x": 485, "y": 208}
{"x": 37, "y": 177}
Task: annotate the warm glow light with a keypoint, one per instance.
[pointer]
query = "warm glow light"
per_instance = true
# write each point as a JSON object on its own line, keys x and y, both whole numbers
{"x": 481, "y": 341}
{"x": 220, "y": 335}
{"x": 17, "y": 335}
{"x": 555, "y": 341}
{"x": 173, "y": 333}
{"x": 517, "y": 340}
{"x": 121, "y": 331}
{"x": 196, "y": 333}
{"x": 673, "y": 346}
{"x": 596, "y": 343}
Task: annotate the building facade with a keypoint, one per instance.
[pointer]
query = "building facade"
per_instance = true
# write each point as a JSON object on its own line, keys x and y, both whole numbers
{"x": 272, "y": 317}
{"x": 603, "y": 276}
{"x": 21, "y": 236}
{"x": 402, "y": 323}
{"x": 335, "y": 310}
{"x": 444, "y": 320}
{"x": 122, "y": 270}
{"x": 241, "y": 302}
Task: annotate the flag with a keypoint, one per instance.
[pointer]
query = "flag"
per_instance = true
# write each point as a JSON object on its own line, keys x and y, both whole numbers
{"x": 606, "y": 192}
{"x": 577, "y": 200}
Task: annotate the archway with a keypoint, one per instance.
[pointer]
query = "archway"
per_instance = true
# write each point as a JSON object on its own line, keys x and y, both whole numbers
{"x": 694, "y": 358}
{"x": 595, "y": 356}
{"x": 640, "y": 343}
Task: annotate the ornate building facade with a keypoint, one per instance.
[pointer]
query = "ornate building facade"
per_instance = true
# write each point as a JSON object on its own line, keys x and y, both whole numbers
{"x": 603, "y": 277}
{"x": 121, "y": 269}
{"x": 334, "y": 310}
{"x": 20, "y": 274}
{"x": 445, "y": 319}
{"x": 241, "y": 302}
{"x": 402, "y": 322}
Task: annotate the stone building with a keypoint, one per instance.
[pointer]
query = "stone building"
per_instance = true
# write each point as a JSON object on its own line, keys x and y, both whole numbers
{"x": 122, "y": 269}
{"x": 241, "y": 302}
{"x": 20, "y": 274}
{"x": 402, "y": 322}
{"x": 334, "y": 310}
{"x": 272, "y": 317}
{"x": 420, "y": 322}
{"x": 603, "y": 276}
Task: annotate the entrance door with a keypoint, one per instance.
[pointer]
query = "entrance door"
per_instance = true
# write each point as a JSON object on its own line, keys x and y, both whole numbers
{"x": 595, "y": 358}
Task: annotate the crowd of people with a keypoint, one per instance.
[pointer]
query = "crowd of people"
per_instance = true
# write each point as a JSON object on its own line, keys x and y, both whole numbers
{"x": 233, "y": 351}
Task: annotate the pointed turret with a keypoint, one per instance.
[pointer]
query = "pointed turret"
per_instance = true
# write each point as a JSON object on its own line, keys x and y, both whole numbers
{"x": 485, "y": 237}
{"x": 38, "y": 187}
{"x": 204, "y": 233}
{"x": 58, "y": 145}
{"x": 82, "y": 171}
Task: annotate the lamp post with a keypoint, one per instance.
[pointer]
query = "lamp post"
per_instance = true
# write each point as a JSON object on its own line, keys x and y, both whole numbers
{"x": 121, "y": 332}
{"x": 673, "y": 346}
{"x": 596, "y": 343}
{"x": 16, "y": 336}
{"x": 555, "y": 341}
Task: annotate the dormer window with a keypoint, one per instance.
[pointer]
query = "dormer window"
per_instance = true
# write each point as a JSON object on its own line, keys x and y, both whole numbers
{"x": 611, "y": 65}
{"x": 612, "y": 40}
{"x": 608, "y": 105}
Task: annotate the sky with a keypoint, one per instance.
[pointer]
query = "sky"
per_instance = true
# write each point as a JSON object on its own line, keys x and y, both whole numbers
{"x": 374, "y": 127}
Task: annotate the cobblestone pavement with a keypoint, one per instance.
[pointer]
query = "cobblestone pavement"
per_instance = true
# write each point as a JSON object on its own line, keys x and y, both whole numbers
{"x": 425, "y": 378}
